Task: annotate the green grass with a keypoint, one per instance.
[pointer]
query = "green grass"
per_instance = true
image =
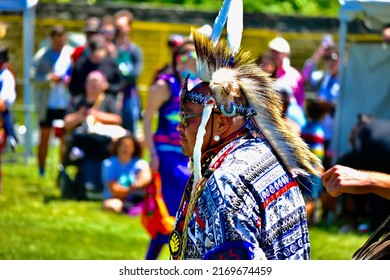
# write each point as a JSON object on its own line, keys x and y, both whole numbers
{"x": 36, "y": 224}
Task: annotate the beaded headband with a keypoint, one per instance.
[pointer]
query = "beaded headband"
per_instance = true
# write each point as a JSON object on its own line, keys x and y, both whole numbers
{"x": 202, "y": 99}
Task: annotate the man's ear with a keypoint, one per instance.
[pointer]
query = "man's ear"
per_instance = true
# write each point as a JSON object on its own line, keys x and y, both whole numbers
{"x": 223, "y": 124}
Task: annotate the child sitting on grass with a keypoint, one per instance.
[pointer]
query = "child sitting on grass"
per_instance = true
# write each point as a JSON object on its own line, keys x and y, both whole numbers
{"x": 125, "y": 176}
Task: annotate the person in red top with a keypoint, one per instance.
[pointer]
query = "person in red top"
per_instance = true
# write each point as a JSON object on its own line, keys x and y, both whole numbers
{"x": 280, "y": 51}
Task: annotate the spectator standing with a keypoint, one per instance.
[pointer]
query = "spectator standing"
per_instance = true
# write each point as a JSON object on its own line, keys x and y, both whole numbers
{"x": 130, "y": 63}
{"x": 287, "y": 79}
{"x": 287, "y": 74}
{"x": 7, "y": 99}
{"x": 50, "y": 75}
{"x": 97, "y": 59}
{"x": 92, "y": 26}
{"x": 267, "y": 62}
{"x": 109, "y": 31}
{"x": 327, "y": 84}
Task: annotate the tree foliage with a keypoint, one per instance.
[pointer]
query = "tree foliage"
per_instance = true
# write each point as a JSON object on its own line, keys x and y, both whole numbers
{"x": 281, "y": 7}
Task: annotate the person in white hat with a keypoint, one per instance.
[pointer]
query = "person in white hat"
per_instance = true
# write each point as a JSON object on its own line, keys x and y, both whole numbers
{"x": 280, "y": 45}
{"x": 280, "y": 50}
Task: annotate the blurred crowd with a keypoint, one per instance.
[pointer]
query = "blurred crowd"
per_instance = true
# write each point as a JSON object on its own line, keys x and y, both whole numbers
{"x": 314, "y": 119}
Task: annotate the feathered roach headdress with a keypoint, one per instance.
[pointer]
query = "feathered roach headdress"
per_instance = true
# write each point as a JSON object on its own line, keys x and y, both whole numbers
{"x": 238, "y": 86}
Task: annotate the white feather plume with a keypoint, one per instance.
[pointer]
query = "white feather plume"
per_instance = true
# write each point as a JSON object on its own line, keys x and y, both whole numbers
{"x": 220, "y": 21}
{"x": 235, "y": 25}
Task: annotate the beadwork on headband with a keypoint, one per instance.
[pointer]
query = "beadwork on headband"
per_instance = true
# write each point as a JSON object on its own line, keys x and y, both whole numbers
{"x": 200, "y": 98}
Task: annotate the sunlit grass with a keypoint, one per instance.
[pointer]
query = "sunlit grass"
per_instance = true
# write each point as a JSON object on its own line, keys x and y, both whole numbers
{"x": 36, "y": 224}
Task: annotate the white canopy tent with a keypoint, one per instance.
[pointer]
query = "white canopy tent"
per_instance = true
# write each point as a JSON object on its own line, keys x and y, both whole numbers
{"x": 365, "y": 71}
{"x": 28, "y": 9}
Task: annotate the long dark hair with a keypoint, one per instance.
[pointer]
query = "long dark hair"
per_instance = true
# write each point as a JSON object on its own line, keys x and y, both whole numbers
{"x": 4, "y": 56}
{"x": 182, "y": 49}
{"x": 137, "y": 145}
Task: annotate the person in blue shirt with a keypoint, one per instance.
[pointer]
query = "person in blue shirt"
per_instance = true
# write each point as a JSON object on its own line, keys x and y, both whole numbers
{"x": 125, "y": 174}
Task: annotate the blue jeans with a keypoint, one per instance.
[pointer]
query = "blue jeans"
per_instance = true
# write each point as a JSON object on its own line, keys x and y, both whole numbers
{"x": 131, "y": 109}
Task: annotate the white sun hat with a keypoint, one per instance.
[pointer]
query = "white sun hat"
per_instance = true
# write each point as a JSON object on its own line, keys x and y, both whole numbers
{"x": 280, "y": 45}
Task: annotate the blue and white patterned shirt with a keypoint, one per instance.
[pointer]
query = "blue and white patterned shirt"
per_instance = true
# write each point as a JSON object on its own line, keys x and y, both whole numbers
{"x": 248, "y": 201}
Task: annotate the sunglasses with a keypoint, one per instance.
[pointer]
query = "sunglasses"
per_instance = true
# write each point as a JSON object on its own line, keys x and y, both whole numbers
{"x": 108, "y": 31}
{"x": 183, "y": 117}
{"x": 185, "y": 57}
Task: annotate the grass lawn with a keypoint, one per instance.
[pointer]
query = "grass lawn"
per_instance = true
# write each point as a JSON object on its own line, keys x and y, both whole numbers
{"x": 35, "y": 224}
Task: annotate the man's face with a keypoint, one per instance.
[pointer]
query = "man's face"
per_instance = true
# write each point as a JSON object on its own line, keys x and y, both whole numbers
{"x": 277, "y": 57}
{"x": 58, "y": 41}
{"x": 188, "y": 132}
{"x": 386, "y": 35}
{"x": 187, "y": 60}
{"x": 108, "y": 30}
{"x": 98, "y": 55}
{"x": 122, "y": 25}
{"x": 95, "y": 85}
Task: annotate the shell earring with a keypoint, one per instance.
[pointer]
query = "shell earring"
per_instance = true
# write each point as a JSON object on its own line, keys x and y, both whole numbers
{"x": 232, "y": 111}
{"x": 216, "y": 138}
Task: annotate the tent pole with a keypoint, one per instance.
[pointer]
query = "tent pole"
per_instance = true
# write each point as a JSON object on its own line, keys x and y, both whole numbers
{"x": 342, "y": 65}
{"x": 28, "y": 45}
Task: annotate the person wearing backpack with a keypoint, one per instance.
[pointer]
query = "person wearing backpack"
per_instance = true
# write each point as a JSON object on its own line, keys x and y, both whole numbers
{"x": 130, "y": 62}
